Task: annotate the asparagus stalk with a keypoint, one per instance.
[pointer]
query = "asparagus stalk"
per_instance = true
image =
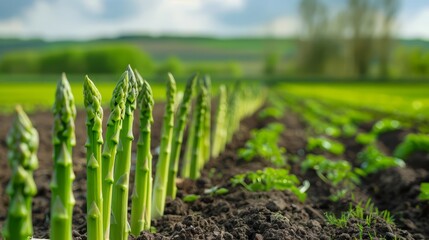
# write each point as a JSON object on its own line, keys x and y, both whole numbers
{"x": 92, "y": 101}
{"x": 142, "y": 192}
{"x": 22, "y": 142}
{"x": 161, "y": 176}
{"x": 178, "y": 131}
{"x": 197, "y": 157}
{"x": 219, "y": 136}
{"x": 62, "y": 199}
{"x": 207, "y": 120}
{"x": 119, "y": 227}
{"x": 114, "y": 125}
{"x": 186, "y": 163}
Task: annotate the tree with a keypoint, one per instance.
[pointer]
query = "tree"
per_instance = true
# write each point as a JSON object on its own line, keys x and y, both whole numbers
{"x": 389, "y": 10}
{"x": 315, "y": 44}
{"x": 362, "y": 27}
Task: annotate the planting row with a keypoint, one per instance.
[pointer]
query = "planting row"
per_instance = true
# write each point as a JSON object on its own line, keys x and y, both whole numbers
{"x": 109, "y": 159}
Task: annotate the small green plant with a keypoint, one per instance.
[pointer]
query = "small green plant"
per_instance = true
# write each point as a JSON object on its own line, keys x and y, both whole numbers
{"x": 386, "y": 125}
{"x": 62, "y": 182}
{"x": 424, "y": 191}
{"x": 412, "y": 143}
{"x": 339, "y": 174}
{"x": 273, "y": 112}
{"x": 161, "y": 176}
{"x": 362, "y": 215}
{"x": 263, "y": 143}
{"x": 332, "y": 172}
{"x": 372, "y": 160}
{"x": 271, "y": 179}
{"x": 216, "y": 191}
{"x": 381, "y": 126}
{"x": 22, "y": 142}
{"x": 191, "y": 198}
{"x": 92, "y": 100}
{"x": 142, "y": 192}
{"x": 325, "y": 144}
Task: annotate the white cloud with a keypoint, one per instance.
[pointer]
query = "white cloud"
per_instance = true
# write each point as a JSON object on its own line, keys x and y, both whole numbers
{"x": 78, "y": 19}
{"x": 11, "y": 27}
{"x": 279, "y": 27}
{"x": 416, "y": 25}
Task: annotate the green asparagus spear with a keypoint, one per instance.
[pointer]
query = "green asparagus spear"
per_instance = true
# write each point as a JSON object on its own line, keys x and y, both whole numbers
{"x": 114, "y": 125}
{"x": 22, "y": 142}
{"x": 207, "y": 120}
{"x": 197, "y": 157}
{"x": 219, "y": 136}
{"x": 182, "y": 117}
{"x": 142, "y": 192}
{"x": 94, "y": 119}
{"x": 62, "y": 199}
{"x": 161, "y": 176}
{"x": 119, "y": 227}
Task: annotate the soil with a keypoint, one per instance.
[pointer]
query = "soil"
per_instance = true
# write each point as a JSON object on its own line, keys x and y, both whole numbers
{"x": 240, "y": 214}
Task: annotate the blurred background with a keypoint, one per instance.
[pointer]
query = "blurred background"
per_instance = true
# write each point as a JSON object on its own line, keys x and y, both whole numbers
{"x": 276, "y": 40}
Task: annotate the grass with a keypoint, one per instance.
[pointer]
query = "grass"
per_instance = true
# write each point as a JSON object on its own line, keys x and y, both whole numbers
{"x": 410, "y": 100}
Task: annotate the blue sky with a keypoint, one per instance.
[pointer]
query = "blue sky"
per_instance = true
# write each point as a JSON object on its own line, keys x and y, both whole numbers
{"x": 86, "y": 19}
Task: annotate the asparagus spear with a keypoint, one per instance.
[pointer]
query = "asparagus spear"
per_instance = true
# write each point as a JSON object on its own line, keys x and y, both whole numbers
{"x": 178, "y": 131}
{"x": 197, "y": 157}
{"x": 161, "y": 175}
{"x": 62, "y": 199}
{"x": 114, "y": 125}
{"x": 119, "y": 227}
{"x": 92, "y": 101}
{"x": 219, "y": 136}
{"x": 22, "y": 142}
{"x": 207, "y": 120}
{"x": 142, "y": 192}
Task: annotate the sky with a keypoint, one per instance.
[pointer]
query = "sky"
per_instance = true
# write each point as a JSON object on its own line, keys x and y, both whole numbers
{"x": 89, "y": 19}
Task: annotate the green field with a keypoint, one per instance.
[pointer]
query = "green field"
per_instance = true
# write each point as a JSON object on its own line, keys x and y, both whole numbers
{"x": 38, "y": 92}
{"x": 403, "y": 99}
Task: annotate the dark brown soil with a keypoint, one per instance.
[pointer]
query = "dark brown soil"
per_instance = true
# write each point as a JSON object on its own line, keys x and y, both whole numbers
{"x": 240, "y": 214}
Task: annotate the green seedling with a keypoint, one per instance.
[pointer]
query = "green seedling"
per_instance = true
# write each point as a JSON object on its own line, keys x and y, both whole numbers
{"x": 332, "y": 172}
{"x": 216, "y": 191}
{"x": 263, "y": 143}
{"x": 385, "y": 125}
{"x": 372, "y": 160}
{"x": 325, "y": 144}
{"x": 424, "y": 192}
{"x": 191, "y": 198}
{"x": 413, "y": 143}
{"x": 271, "y": 179}
{"x": 362, "y": 216}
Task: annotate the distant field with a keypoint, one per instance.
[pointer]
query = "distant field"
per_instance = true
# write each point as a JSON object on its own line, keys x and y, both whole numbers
{"x": 411, "y": 100}
{"x": 38, "y": 92}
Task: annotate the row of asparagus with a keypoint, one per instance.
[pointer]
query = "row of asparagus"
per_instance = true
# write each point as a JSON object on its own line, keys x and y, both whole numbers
{"x": 109, "y": 159}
